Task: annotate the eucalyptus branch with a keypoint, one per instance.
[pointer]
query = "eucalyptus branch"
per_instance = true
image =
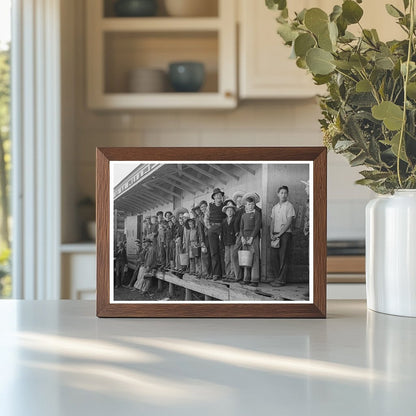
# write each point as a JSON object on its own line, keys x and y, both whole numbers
{"x": 406, "y": 79}
{"x": 373, "y": 88}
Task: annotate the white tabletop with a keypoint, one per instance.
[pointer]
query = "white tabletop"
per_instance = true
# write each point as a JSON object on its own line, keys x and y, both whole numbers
{"x": 57, "y": 358}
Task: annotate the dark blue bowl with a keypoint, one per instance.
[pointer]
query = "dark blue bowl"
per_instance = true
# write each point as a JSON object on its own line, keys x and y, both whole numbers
{"x": 186, "y": 76}
{"x": 135, "y": 8}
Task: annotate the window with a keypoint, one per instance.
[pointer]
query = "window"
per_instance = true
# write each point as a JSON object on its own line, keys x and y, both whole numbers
{"x": 5, "y": 147}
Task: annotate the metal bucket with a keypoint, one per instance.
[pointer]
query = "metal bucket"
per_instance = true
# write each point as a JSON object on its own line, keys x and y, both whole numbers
{"x": 195, "y": 252}
{"x": 245, "y": 258}
{"x": 183, "y": 259}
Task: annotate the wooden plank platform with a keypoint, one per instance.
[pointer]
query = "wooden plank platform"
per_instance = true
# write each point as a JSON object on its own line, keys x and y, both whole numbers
{"x": 233, "y": 291}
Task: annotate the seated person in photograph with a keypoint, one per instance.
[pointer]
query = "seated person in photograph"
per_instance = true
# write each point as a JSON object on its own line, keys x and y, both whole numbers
{"x": 192, "y": 246}
{"x": 213, "y": 221}
{"x": 283, "y": 214}
{"x": 205, "y": 251}
{"x": 140, "y": 252}
{"x": 228, "y": 238}
{"x": 121, "y": 263}
{"x": 149, "y": 266}
{"x": 250, "y": 226}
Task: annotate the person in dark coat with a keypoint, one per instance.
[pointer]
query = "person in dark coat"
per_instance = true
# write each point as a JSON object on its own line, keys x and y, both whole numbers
{"x": 192, "y": 244}
{"x": 240, "y": 210}
{"x": 170, "y": 244}
{"x": 213, "y": 221}
{"x": 121, "y": 263}
{"x": 250, "y": 237}
{"x": 205, "y": 251}
{"x": 228, "y": 238}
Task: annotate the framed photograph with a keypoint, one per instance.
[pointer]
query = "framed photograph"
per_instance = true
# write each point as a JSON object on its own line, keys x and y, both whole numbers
{"x": 211, "y": 232}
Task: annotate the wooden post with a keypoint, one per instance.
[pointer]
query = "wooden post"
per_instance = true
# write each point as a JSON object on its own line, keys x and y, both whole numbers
{"x": 171, "y": 290}
{"x": 159, "y": 284}
{"x": 188, "y": 294}
{"x": 265, "y": 221}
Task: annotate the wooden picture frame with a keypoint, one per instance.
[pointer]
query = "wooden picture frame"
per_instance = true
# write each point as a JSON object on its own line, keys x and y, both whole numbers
{"x": 315, "y": 157}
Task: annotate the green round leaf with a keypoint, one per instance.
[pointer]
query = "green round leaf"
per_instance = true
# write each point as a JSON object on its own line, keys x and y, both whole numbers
{"x": 319, "y": 61}
{"x": 411, "y": 90}
{"x": 363, "y": 86}
{"x": 301, "y": 63}
{"x": 336, "y": 12}
{"x": 303, "y": 43}
{"x": 384, "y": 62}
{"x": 391, "y": 114}
{"x": 287, "y": 33}
{"x": 316, "y": 20}
{"x": 351, "y": 11}
{"x": 393, "y": 11}
{"x": 324, "y": 41}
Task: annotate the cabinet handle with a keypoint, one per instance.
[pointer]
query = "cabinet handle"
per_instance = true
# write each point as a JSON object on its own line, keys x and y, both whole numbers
{"x": 229, "y": 94}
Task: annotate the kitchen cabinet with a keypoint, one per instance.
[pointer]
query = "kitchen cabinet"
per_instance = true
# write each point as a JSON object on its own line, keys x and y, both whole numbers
{"x": 118, "y": 45}
{"x": 265, "y": 70}
{"x": 78, "y": 281}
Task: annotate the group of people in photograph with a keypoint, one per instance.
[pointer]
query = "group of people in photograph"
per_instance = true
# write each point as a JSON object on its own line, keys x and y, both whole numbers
{"x": 210, "y": 240}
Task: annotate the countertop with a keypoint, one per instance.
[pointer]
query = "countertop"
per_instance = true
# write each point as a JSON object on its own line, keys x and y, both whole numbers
{"x": 57, "y": 358}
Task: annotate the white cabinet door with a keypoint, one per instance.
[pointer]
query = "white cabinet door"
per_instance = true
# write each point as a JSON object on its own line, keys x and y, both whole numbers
{"x": 265, "y": 69}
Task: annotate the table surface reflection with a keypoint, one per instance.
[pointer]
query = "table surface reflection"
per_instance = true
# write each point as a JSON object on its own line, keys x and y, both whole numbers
{"x": 57, "y": 358}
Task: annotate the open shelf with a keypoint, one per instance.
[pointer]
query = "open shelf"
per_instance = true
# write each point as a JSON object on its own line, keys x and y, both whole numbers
{"x": 116, "y": 46}
{"x": 210, "y": 10}
{"x": 160, "y": 24}
{"x": 126, "y": 51}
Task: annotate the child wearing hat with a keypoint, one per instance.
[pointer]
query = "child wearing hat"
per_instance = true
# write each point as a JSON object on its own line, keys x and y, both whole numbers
{"x": 213, "y": 220}
{"x": 205, "y": 251}
{"x": 250, "y": 237}
{"x": 228, "y": 238}
{"x": 179, "y": 230}
{"x": 239, "y": 211}
{"x": 170, "y": 244}
{"x": 192, "y": 246}
{"x": 161, "y": 243}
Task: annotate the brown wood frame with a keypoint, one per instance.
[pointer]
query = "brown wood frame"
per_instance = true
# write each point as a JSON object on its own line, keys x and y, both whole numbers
{"x": 317, "y": 309}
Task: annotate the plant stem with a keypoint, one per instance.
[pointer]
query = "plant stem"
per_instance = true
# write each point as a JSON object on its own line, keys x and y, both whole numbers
{"x": 405, "y": 81}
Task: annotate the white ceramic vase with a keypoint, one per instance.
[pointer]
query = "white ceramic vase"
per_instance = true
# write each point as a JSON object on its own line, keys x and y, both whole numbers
{"x": 391, "y": 253}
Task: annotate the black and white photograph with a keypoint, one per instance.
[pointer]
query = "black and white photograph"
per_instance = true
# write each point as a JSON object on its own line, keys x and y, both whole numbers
{"x": 211, "y": 231}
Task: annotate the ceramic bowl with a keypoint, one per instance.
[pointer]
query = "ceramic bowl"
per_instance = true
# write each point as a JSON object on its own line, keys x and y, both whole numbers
{"x": 135, "y": 8}
{"x": 147, "y": 80}
{"x": 186, "y": 76}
